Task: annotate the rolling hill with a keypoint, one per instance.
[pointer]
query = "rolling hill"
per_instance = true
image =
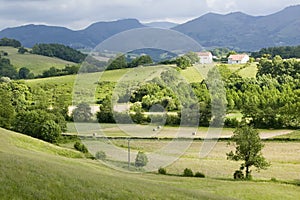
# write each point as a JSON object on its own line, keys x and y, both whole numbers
{"x": 35, "y": 63}
{"x": 237, "y": 30}
{"x": 32, "y": 169}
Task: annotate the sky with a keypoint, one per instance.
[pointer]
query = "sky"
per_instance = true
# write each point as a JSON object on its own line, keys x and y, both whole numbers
{"x": 78, "y": 14}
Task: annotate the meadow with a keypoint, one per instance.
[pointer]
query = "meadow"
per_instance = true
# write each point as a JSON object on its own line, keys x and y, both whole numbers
{"x": 35, "y": 63}
{"x": 28, "y": 171}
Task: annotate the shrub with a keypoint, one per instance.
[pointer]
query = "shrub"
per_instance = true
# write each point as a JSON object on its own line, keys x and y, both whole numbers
{"x": 80, "y": 147}
{"x": 199, "y": 175}
{"x": 162, "y": 170}
{"x": 141, "y": 159}
{"x": 273, "y": 179}
{"x": 238, "y": 175}
{"x": 100, "y": 155}
{"x": 188, "y": 172}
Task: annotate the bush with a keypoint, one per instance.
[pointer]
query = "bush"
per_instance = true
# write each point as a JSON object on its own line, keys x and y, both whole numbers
{"x": 80, "y": 147}
{"x": 162, "y": 170}
{"x": 100, "y": 155}
{"x": 238, "y": 175}
{"x": 199, "y": 175}
{"x": 141, "y": 159}
{"x": 188, "y": 172}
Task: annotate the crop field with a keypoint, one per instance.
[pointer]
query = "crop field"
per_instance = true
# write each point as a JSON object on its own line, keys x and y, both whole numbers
{"x": 28, "y": 171}
{"x": 35, "y": 63}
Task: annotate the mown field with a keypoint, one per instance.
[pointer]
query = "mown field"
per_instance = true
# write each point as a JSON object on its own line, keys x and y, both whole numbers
{"x": 284, "y": 155}
{"x": 32, "y": 169}
{"x": 35, "y": 63}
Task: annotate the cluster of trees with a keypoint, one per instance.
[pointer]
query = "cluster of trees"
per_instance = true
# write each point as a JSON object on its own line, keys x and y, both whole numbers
{"x": 68, "y": 70}
{"x": 265, "y": 101}
{"x": 278, "y": 67}
{"x": 7, "y": 69}
{"x": 10, "y": 42}
{"x": 284, "y": 51}
{"x": 25, "y": 110}
{"x": 59, "y": 51}
{"x": 121, "y": 62}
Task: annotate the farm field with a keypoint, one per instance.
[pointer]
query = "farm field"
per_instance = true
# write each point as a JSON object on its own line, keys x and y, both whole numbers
{"x": 35, "y": 63}
{"x": 284, "y": 156}
{"x": 29, "y": 171}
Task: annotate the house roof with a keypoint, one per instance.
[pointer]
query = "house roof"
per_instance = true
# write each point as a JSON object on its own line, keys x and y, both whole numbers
{"x": 237, "y": 57}
{"x": 204, "y": 53}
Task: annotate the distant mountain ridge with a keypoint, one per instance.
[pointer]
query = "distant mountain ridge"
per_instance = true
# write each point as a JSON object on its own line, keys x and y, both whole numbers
{"x": 244, "y": 32}
{"x": 91, "y": 36}
{"x": 236, "y": 30}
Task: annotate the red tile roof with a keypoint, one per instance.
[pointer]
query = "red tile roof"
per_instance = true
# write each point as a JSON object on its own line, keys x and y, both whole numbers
{"x": 237, "y": 57}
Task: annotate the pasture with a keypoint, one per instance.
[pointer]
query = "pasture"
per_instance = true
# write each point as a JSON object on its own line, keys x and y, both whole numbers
{"x": 27, "y": 171}
{"x": 35, "y": 63}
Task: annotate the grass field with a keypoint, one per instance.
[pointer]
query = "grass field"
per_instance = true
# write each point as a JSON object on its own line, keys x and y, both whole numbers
{"x": 35, "y": 63}
{"x": 27, "y": 171}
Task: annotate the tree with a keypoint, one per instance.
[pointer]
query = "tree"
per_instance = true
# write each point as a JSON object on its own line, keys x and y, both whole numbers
{"x": 118, "y": 63}
{"x": 50, "y": 131}
{"x": 24, "y": 73}
{"x": 82, "y": 113}
{"x": 6, "y": 69}
{"x": 22, "y": 50}
{"x": 194, "y": 58}
{"x": 248, "y": 149}
{"x": 183, "y": 62}
{"x": 105, "y": 115}
{"x": 141, "y": 159}
{"x": 7, "y": 110}
{"x": 142, "y": 60}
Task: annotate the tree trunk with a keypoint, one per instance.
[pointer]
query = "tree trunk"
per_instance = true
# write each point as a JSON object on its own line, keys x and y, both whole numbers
{"x": 247, "y": 172}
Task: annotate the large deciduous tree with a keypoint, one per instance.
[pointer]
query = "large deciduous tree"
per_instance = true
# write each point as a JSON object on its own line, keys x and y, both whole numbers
{"x": 248, "y": 149}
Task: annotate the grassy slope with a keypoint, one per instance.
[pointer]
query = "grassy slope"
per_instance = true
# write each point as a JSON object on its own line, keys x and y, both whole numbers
{"x": 36, "y": 63}
{"x": 27, "y": 171}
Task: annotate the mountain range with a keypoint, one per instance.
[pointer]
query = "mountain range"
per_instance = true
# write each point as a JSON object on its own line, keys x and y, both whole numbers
{"x": 236, "y": 30}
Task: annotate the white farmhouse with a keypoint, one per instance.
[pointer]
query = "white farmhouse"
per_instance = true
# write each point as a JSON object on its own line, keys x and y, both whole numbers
{"x": 238, "y": 59}
{"x": 205, "y": 57}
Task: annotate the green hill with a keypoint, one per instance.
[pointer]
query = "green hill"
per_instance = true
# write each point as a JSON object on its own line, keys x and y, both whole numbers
{"x": 36, "y": 63}
{"x": 32, "y": 169}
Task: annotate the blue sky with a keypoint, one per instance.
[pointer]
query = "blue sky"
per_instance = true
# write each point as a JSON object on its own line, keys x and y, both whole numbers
{"x": 77, "y": 14}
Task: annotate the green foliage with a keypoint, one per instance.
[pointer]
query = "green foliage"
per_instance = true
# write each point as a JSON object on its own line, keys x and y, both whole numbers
{"x": 248, "y": 149}
{"x": 142, "y": 60}
{"x": 7, "y": 110}
{"x": 59, "y": 51}
{"x": 162, "y": 170}
{"x": 105, "y": 115}
{"x": 199, "y": 175}
{"x": 80, "y": 147}
{"x": 279, "y": 67}
{"x": 10, "y": 42}
{"x": 101, "y": 155}
{"x": 118, "y": 63}
{"x": 238, "y": 175}
{"x": 22, "y": 50}
{"x": 40, "y": 124}
{"x": 60, "y": 72}
{"x": 141, "y": 159}
{"x": 183, "y": 62}
{"x": 50, "y": 131}
{"x": 7, "y": 70}
{"x": 194, "y": 58}
{"x": 82, "y": 113}
{"x": 188, "y": 172}
{"x": 24, "y": 73}
{"x": 284, "y": 51}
